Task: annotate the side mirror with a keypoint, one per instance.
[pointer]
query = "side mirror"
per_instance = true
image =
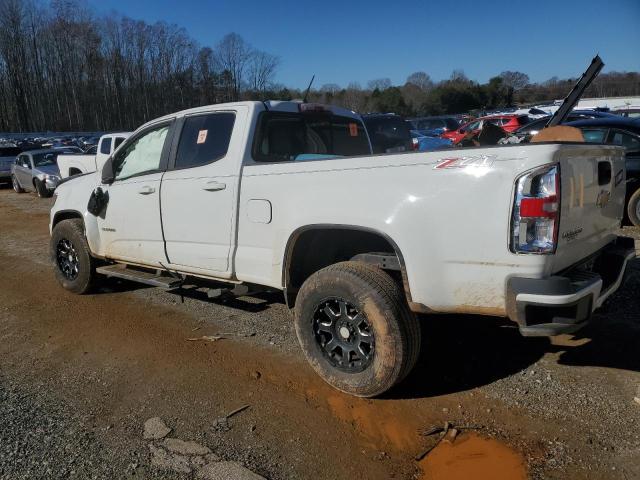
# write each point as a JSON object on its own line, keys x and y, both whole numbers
{"x": 107, "y": 172}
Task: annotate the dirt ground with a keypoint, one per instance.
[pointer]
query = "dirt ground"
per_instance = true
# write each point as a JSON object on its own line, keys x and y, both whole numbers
{"x": 79, "y": 376}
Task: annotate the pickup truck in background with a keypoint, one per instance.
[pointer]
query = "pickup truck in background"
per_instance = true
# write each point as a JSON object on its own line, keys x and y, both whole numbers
{"x": 287, "y": 196}
{"x": 72, "y": 164}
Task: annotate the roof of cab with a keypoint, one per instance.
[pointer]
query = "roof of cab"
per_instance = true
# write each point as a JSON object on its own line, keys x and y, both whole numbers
{"x": 292, "y": 106}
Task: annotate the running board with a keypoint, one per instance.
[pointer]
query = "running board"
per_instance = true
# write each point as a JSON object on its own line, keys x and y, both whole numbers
{"x": 159, "y": 278}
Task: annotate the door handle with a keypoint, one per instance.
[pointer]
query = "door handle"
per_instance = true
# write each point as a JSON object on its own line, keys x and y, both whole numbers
{"x": 146, "y": 190}
{"x": 213, "y": 186}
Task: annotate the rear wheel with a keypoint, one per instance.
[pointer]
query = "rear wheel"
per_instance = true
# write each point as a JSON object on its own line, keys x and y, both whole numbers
{"x": 355, "y": 328}
{"x": 72, "y": 261}
{"x": 16, "y": 185}
{"x": 633, "y": 208}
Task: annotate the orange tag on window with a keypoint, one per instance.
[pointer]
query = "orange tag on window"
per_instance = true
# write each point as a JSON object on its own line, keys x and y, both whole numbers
{"x": 202, "y": 136}
{"x": 353, "y": 129}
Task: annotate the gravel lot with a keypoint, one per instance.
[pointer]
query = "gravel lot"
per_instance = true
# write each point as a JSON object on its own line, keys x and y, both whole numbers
{"x": 79, "y": 376}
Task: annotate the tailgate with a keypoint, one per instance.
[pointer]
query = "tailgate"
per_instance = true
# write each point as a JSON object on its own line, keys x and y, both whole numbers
{"x": 592, "y": 200}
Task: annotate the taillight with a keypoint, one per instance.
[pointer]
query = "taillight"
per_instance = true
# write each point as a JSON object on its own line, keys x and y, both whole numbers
{"x": 536, "y": 211}
{"x": 415, "y": 144}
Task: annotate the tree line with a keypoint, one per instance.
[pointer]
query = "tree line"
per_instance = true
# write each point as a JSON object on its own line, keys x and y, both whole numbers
{"x": 63, "y": 68}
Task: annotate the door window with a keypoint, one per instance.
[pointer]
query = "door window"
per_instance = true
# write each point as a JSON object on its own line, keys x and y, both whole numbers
{"x": 204, "y": 139}
{"x": 24, "y": 161}
{"x": 143, "y": 154}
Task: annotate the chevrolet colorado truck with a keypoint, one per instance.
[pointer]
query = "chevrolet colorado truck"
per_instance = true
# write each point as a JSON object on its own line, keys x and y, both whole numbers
{"x": 287, "y": 196}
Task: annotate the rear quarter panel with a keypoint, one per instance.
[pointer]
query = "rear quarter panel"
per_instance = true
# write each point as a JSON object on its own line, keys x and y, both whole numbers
{"x": 450, "y": 224}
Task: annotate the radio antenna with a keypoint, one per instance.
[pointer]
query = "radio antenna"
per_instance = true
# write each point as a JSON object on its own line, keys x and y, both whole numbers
{"x": 306, "y": 93}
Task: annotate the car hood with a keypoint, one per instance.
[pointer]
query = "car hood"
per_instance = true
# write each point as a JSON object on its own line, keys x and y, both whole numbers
{"x": 48, "y": 169}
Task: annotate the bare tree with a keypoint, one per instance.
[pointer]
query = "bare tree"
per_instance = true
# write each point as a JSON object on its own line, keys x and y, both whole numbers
{"x": 262, "y": 70}
{"x": 421, "y": 80}
{"x": 379, "y": 83}
{"x": 232, "y": 55}
{"x": 515, "y": 80}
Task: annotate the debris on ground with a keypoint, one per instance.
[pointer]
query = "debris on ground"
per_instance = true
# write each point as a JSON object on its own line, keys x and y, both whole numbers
{"x": 164, "y": 460}
{"x": 182, "y": 447}
{"x": 227, "y": 471}
{"x": 221, "y": 424}
{"x": 207, "y": 338}
{"x": 155, "y": 429}
{"x": 637, "y": 400}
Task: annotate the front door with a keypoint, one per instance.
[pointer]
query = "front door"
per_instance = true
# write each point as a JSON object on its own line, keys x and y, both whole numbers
{"x": 130, "y": 228}
{"x": 23, "y": 172}
{"x": 199, "y": 192}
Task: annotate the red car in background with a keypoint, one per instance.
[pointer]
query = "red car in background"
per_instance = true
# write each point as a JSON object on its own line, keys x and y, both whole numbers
{"x": 508, "y": 123}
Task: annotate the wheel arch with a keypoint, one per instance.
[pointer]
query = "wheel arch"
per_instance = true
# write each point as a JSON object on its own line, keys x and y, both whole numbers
{"x": 340, "y": 242}
{"x": 66, "y": 215}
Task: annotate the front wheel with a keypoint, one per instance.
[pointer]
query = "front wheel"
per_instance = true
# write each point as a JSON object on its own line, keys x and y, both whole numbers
{"x": 633, "y": 208}
{"x": 41, "y": 189}
{"x": 72, "y": 261}
{"x": 16, "y": 185}
{"x": 356, "y": 329}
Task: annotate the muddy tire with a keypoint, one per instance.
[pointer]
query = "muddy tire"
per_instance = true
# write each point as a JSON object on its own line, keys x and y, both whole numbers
{"x": 633, "y": 208}
{"x": 73, "y": 264}
{"x": 356, "y": 329}
{"x": 41, "y": 189}
{"x": 16, "y": 186}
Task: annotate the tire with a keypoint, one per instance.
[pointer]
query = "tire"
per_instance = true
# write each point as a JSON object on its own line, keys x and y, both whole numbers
{"x": 633, "y": 208}
{"x": 41, "y": 189}
{"x": 392, "y": 330}
{"x": 74, "y": 267}
{"x": 16, "y": 185}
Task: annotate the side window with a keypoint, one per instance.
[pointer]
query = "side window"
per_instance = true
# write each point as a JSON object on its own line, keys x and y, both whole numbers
{"x": 24, "y": 161}
{"x": 594, "y": 135}
{"x": 204, "y": 139}
{"x": 105, "y": 146}
{"x": 142, "y": 155}
{"x": 117, "y": 142}
{"x": 630, "y": 142}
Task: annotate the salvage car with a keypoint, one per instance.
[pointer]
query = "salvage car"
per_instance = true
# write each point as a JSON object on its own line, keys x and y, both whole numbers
{"x": 508, "y": 123}
{"x": 8, "y": 156}
{"x": 286, "y": 196}
{"x": 36, "y": 171}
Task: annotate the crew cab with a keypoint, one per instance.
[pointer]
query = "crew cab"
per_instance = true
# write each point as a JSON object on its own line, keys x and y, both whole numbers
{"x": 287, "y": 196}
{"x": 78, "y": 164}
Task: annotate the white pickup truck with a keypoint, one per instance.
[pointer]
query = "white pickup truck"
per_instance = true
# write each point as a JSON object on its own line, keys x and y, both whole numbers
{"x": 77, "y": 164}
{"x": 286, "y": 196}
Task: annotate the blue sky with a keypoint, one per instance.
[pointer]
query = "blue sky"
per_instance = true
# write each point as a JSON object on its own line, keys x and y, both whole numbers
{"x": 343, "y": 41}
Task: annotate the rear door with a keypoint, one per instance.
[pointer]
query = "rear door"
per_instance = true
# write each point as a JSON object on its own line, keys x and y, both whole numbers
{"x": 200, "y": 190}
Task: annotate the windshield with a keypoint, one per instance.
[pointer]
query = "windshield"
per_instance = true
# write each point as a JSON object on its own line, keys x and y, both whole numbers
{"x": 44, "y": 159}
{"x": 308, "y": 136}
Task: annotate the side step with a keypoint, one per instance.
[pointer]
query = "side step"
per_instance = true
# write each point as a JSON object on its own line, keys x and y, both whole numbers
{"x": 159, "y": 278}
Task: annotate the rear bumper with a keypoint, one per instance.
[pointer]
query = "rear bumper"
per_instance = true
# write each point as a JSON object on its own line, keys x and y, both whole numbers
{"x": 564, "y": 302}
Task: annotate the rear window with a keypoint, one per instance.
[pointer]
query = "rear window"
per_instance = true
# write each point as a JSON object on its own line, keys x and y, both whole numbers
{"x": 595, "y": 135}
{"x": 285, "y": 137}
{"x": 105, "y": 146}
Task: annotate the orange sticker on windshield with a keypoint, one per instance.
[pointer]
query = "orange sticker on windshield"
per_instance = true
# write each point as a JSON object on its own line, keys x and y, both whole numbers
{"x": 202, "y": 136}
{"x": 353, "y": 129}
